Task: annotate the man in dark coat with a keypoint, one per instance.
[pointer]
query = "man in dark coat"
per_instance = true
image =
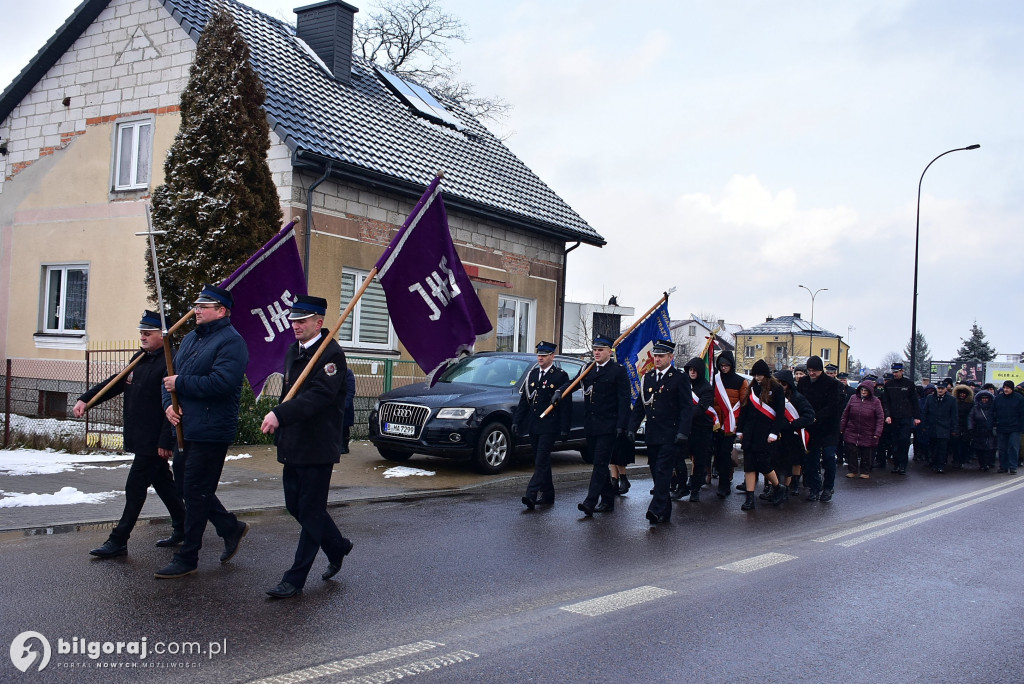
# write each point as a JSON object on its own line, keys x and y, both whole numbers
{"x": 1008, "y": 413}
{"x": 665, "y": 401}
{"x": 209, "y": 366}
{"x": 698, "y": 446}
{"x": 606, "y": 404}
{"x": 902, "y": 413}
{"x": 822, "y": 392}
{"x": 308, "y": 431}
{"x": 543, "y": 387}
{"x": 147, "y": 434}
{"x": 939, "y": 420}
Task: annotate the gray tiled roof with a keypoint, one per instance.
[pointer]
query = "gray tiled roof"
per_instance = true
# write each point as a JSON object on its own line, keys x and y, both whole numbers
{"x": 369, "y": 134}
{"x": 786, "y": 325}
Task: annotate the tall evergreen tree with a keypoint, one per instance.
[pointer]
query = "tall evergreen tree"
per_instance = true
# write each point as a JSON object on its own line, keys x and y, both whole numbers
{"x": 218, "y": 202}
{"x": 922, "y": 356}
{"x": 975, "y": 347}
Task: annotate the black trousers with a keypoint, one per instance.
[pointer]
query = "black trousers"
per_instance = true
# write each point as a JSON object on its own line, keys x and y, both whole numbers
{"x": 721, "y": 445}
{"x": 305, "y": 496}
{"x": 197, "y": 471}
{"x": 600, "y": 447}
{"x": 148, "y": 469}
{"x": 940, "y": 450}
{"x": 662, "y": 459}
{"x": 541, "y": 486}
{"x": 699, "y": 446}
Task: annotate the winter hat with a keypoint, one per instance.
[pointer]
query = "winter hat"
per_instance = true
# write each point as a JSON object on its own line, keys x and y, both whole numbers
{"x": 814, "y": 363}
{"x": 760, "y": 368}
{"x": 786, "y": 378}
{"x": 1008, "y": 383}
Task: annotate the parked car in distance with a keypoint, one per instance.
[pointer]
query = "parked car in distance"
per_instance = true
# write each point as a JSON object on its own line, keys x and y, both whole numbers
{"x": 468, "y": 413}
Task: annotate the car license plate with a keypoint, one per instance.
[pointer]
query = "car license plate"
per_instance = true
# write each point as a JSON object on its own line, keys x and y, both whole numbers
{"x": 399, "y": 429}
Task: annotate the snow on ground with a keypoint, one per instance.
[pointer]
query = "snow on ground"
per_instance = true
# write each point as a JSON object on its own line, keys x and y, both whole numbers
{"x": 406, "y": 471}
{"x": 67, "y": 495}
{"x": 237, "y": 456}
{"x": 50, "y": 462}
{"x": 52, "y": 426}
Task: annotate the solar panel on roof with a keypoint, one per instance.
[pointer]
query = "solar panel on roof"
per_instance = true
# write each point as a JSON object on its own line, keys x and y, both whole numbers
{"x": 420, "y": 99}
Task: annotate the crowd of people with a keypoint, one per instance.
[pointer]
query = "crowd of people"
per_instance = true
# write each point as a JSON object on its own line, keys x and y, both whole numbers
{"x": 795, "y": 428}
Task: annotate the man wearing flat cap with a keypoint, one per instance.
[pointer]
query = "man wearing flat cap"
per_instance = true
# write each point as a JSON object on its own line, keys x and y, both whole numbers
{"x": 666, "y": 401}
{"x": 209, "y": 368}
{"x": 147, "y": 434}
{"x": 308, "y": 432}
{"x": 543, "y": 387}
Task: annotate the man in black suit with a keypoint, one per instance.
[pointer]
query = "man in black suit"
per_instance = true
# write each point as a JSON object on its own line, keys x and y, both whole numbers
{"x": 148, "y": 435}
{"x": 543, "y": 387}
{"x": 606, "y": 401}
{"x": 308, "y": 431}
{"x": 666, "y": 401}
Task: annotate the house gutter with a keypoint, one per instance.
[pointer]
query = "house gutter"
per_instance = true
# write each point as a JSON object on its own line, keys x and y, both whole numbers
{"x": 560, "y": 319}
{"x": 309, "y": 219}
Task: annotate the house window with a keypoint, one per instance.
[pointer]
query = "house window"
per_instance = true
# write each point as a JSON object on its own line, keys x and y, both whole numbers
{"x": 134, "y": 154}
{"x": 515, "y": 324}
{"x": 780, "y": 352}
{"x": 749, "y": 351}
{"x": 368, "y": 326}
{"x": 65, "y": 292}
{"x": 826, "y": 354}
{"x": 693, "y": 331}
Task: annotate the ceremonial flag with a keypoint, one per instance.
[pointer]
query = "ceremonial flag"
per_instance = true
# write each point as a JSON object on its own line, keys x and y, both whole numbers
{"x": 264, "y": 288}
{"x": 634, "y": 351}
{"x": 431, "y": 301}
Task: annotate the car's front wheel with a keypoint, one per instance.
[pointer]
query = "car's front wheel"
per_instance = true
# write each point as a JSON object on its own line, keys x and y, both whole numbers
{"x": 392, "y": 455}
{"x": 493, "y": 449}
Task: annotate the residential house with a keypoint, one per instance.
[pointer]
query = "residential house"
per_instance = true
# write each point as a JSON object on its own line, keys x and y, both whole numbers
{"x": 786, "y": 341}
{"x": 691, "y": 335}
{"x": 584, "y": 321}
{"x": 86, "y": 124}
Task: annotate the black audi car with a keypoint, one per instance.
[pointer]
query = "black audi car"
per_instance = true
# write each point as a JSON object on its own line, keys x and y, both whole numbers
{"x": 468, "y": 413}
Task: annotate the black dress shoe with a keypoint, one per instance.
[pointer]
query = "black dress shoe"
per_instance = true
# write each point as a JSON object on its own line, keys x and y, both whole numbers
{"x": 587, "y": 510}
{"x": 174, "y": 570}
{"x": 655, "y": 519}
{"x": 231, "y": 544}
{"x": 813, "y": 496}
{"x": 176, "y": 538}
{"x": 826, "y": 496}
{"x": 284, "y": 590}
{"x": 604, "y": 507}
{"x": 333, "y": 568}
{"x": 623, "y": 484}
{"x": 529, "y": 502}
{"x": 110, "y": 549}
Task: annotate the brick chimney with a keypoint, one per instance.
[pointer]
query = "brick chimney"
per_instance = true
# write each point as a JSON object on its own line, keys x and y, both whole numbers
{"x": 327, "y": 28}
{"x": 796, "y": 315}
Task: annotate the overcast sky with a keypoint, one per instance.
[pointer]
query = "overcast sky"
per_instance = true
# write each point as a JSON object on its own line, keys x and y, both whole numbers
{"x": 736, "y": 150}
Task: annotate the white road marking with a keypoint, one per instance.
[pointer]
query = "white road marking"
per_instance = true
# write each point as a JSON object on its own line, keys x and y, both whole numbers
{"x": 931, "y": 516}
{"x": 617, "y": 601}
{"x": 339, "y": 666}
{"x": 910, "y": 514}
{"x": 413, "y": 669}
{"x": 765, "y": 560}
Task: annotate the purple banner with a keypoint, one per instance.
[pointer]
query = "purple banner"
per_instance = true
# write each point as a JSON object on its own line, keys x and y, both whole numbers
{"x": 431, "y": 301}
{"x": 263, "y": 288}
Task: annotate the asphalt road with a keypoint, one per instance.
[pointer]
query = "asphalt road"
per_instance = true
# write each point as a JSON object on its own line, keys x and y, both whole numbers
{"x": 912, "y": 579}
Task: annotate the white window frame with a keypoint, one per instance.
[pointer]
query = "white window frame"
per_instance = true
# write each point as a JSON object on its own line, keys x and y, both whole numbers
{"x": 142, "y": 129}
{"x": 826, "y": 354}
{"x": 531, "y": 322}
{"x": 749, "y": 351}
{"x": 693, "y": 331}
{"x": 44, "y": 309}
{"x": 355, "y": 318}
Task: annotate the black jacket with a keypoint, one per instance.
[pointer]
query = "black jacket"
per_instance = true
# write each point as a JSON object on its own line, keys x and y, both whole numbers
{"x": 940, "y": 416}
{"x": 755, "y": 426}
{"x": 145, "y": 426}
{"x": 900, "y": 400}
{"x": 667, "y": 405}
{"x": 606, "y": 399}
{"x": 705, "y": 396}
{"x": 535, "y": 397}
{"x": 823, "y": 395}
{"x": 312, "y": 421}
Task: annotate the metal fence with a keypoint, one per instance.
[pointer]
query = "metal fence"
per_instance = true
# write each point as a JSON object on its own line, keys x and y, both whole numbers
{"x": 48, "y": 388}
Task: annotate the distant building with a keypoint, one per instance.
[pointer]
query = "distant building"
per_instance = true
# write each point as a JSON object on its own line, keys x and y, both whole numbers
{"x": 583, "y": 321}
{"x": 786, "y": 341}
{"x": 691, "y": 335}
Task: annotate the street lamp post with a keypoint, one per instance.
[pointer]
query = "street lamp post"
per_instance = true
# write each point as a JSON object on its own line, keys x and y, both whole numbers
{"x": 917, "y": 243}
{"x": 810, "y": 344}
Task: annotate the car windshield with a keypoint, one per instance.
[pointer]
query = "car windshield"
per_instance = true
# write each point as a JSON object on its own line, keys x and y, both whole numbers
{"x": 493, "y": 371}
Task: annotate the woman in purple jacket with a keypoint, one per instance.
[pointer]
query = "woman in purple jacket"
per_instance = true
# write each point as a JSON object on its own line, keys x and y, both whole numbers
{"x": 861, "y": 426}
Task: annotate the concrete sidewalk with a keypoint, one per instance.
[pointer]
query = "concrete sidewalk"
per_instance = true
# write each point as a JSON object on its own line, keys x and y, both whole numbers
{"x": 252, "y": 485}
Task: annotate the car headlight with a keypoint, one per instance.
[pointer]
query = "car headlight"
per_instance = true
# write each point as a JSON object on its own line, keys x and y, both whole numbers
{"x": 456, "y": 413}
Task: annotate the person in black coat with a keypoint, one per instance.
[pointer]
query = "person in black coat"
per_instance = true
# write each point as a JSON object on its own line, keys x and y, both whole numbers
{"x": 606, "y": 404}
{"x": 902, "y": 414}
{"x": 940, "y": 422}
{"x": 308, "y": 432}
{"x": 799, "y": 415}
{"x": 762, "y": 422}
{"x": 543, "y": 387}
{"x": 698, "y": 446}
{"x": 665, "y": 401}
{"x": 822, "y": 392}
{"x": 147, "y": 434}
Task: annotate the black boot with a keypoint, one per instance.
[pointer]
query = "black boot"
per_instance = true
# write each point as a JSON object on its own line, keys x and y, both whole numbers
{"x": 748, "y": 505}
{"x": 779, "y": 494}
{"x": 615, "y": 486}
{"x": 794, "y": 486}
{"x": 623, "y": 484}
{"x": 695, "y": 494}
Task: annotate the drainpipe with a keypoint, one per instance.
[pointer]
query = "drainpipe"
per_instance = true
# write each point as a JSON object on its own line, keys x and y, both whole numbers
{"x": 309, "y": 219}
{"x": 561, "y": 297}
